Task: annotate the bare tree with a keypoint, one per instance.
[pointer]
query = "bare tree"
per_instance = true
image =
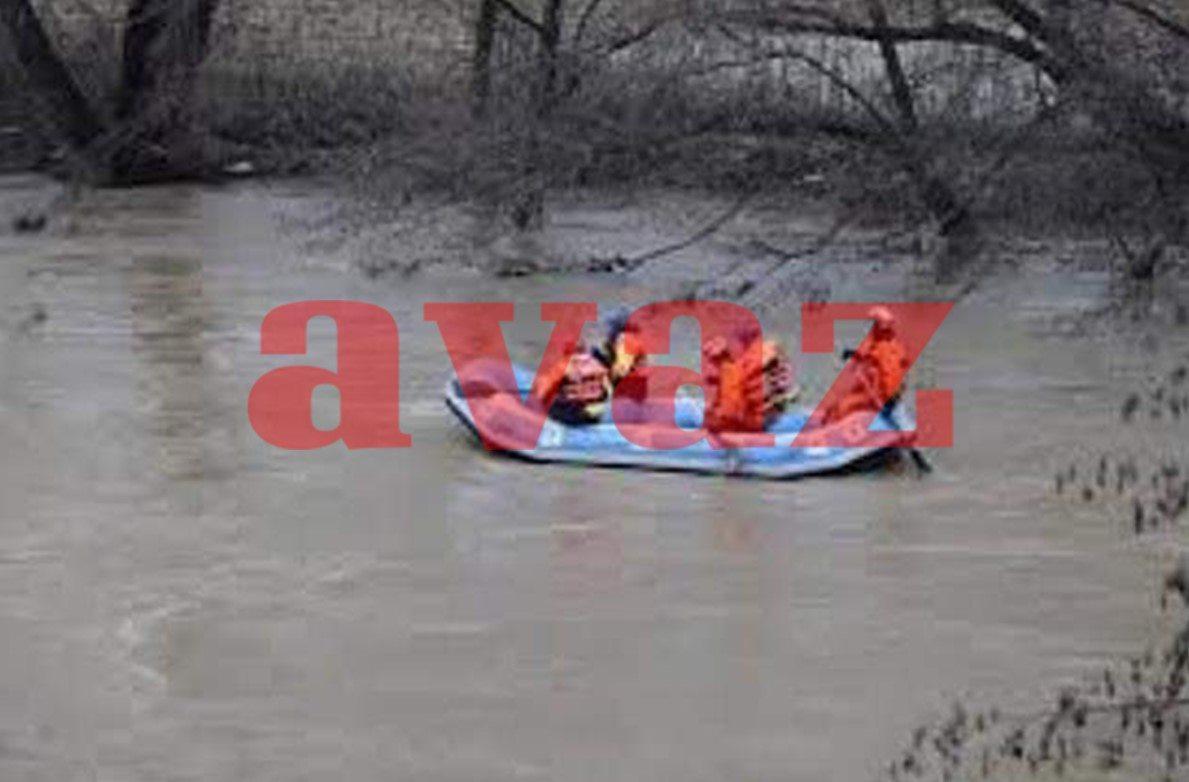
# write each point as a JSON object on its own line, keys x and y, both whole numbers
{"x": 484, "y": 36}
{"x": 547, "y": 33}
{"x": 955, "y": 225}
{"x": 1125, "y": 103}
{"x": 52, "y": 81}
{"x": 164, "y": 42}
{"x": 1066, "y": 41}
{"x": 550, "y": 33}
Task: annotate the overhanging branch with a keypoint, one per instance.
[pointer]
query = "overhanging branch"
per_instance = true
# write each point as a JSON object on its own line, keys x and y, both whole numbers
{"x": 938, "y": 32}
{"x": 1166, "y": 23}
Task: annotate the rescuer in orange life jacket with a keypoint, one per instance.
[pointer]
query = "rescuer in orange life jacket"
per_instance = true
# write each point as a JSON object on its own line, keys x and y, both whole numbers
{"x": 750, "y": 388}
{"x": 582, "y": 383}
{"x": 881, "y": 364}
{"x": 621, "y": 349}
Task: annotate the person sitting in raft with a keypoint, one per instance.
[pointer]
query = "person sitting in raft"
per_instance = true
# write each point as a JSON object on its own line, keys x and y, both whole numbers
{"x": 582, "y": 384}
{"x": 621, "y": 351}
{"x": 780, "y": 382}
{"x": 748, "y": 396}
{"x": 882, "y": 366}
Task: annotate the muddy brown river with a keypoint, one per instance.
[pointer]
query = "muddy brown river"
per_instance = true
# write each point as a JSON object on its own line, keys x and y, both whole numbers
{"x": 181, "y": 601}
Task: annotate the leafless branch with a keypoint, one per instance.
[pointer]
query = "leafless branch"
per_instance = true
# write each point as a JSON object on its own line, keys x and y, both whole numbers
{"x": 520, "y": 16}
{"x": 634, "y": 37}
{"x": 830, "y": 74}
{"x": 584, "y": 19}
{"x": 630, "y": 263}
{"x": 1154, "y": 16}
{"x": 943, "y": 31}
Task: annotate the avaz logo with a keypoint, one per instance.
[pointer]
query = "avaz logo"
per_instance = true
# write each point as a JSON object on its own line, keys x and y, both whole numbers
{"x": 367, "y": 374}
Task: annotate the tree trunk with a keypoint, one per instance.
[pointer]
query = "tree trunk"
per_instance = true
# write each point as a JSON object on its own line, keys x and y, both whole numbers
{"x": 481, "y": 64}
{"x": 956, "y": 228}
{"x": 164, "y": 43}
{"x": 901, "y": 89}
{"x": 551, "y": 28}
{"x": 960, "y": 239}
{"x": 48, "y": 74}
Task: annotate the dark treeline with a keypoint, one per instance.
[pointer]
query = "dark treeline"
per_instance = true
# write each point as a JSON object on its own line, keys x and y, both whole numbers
{"x": 955, "y": 113}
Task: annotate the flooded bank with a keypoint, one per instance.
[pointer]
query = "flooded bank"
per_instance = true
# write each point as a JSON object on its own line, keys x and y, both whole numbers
{"x": 181, "y": 601}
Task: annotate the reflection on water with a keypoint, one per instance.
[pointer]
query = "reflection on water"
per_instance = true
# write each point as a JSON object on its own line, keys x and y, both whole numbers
{"x": 179, "y": 600}
{"x": 166, "y": 302}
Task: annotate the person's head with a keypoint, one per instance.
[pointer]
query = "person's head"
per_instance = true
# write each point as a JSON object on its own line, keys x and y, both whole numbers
{"x": 745, "y": 334}
{"x": 772, "y": 353}
{"x": 716, "y": 349}
{"x": 617, "y": 323}
{"x": 885, "y": 321}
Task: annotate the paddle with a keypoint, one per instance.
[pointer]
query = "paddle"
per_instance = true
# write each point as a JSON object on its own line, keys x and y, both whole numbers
{"x": 889, "y": 413}
{"x": 918, "y": 458}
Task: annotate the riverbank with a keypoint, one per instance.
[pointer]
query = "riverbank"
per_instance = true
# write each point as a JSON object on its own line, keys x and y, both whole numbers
{"x": 767, "y": 250}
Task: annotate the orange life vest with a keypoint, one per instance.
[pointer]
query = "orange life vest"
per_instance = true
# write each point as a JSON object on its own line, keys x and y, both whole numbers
{"x": 883, "y": 367}
{"x": 579, "y": 387}
{"x": 627, "y": 353}
{"x": 780, "y": 382}
{"x": 737, "y": 399}
{"x": 889, "y": 359}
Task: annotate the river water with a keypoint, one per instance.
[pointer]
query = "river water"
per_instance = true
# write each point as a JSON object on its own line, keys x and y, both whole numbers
{"x": 181, "y": 601}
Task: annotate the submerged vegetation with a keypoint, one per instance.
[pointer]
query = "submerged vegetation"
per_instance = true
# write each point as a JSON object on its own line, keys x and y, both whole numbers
{"x": 1128, "y": 720}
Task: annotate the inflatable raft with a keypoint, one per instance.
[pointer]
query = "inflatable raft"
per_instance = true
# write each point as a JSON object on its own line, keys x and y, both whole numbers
{"x": 507, "y": 419}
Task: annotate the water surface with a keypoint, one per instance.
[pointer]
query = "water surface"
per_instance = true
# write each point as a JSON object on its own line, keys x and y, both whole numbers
{"x": 179, "y": 600}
